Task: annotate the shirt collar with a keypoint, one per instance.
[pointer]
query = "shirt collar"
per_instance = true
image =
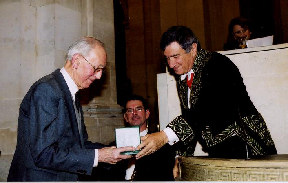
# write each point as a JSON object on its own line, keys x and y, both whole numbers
{"x": 144, "y": 132}
{"x": 183, "y": 76}
{"x": 71, "y": 84}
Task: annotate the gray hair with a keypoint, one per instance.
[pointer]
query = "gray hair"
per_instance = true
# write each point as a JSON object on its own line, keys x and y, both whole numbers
{"x": 83, "y": 46}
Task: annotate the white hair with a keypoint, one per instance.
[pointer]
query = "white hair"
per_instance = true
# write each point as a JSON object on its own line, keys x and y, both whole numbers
{"x": 83, "y": 46}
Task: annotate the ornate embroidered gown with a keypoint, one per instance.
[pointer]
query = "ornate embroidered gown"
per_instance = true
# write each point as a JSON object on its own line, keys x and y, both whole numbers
{"x": 221, "y": 117}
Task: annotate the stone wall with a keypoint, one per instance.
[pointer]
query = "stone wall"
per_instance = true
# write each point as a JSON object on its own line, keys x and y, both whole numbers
{"x": 34, "y": 38}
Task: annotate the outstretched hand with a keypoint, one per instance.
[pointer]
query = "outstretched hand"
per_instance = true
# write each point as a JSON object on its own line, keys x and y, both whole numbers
{"x": 112, "y": 154}
{"x": 151, "y": 143}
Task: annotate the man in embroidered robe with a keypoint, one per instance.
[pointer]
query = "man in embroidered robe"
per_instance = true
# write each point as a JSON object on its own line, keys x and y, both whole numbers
{"x": 216, "y": 111}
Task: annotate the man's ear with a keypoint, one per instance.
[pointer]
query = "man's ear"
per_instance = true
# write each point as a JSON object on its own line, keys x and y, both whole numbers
{"x": 147, "y": 113}
{"x": 75, "y": 62}
{"x": 193, "y": 50}
{"x": 194, "y": 47}
{"x": 125, "y": 117}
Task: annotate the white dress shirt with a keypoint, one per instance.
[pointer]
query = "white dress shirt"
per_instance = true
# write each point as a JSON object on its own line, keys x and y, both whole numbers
{"x": 73, "y": 89}
{"x": 130, "y": 169}
{"x": 172, "y": 137}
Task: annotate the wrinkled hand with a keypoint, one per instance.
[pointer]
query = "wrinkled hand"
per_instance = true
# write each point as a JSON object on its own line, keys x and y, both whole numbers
{"x": 112, "y": 154}
{"x": 151, "y": 143}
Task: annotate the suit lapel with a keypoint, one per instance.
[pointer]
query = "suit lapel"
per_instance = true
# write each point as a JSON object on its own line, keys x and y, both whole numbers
{"x": 201, "y": 60}
{"x": 69, "y": 104}
{"x": 182, "y": 92}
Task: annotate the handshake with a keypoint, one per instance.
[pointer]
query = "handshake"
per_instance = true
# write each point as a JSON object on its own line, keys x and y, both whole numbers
{"x": 128, "y": 144}
{"x": 113, "y": 155}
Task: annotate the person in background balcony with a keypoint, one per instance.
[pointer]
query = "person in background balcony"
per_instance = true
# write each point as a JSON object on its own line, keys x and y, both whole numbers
{"x": 240, "y": 30}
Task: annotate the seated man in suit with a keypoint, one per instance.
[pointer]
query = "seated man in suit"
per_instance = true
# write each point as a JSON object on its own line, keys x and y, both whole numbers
{"x": 155, "y": 167}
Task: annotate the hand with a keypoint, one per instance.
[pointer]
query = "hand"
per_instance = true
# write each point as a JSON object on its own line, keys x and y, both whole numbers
{"x": 176, "y": 169}
{"x": 112, "y": 154}
{"x": 151, "y": 143}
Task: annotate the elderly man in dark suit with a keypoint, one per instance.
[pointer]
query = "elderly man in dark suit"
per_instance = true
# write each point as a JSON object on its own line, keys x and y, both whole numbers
{"x": 216, "y": 108}
{"x": 52, "y": 139}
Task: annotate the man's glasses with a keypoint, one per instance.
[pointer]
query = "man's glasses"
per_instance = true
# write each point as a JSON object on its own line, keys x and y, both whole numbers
{"x": 96, "y": 70}
{"x": 137, "y": 109}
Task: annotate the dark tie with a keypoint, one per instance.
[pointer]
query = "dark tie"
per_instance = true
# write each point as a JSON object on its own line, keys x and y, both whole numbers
{"x": 190, "y": 81}
{"x": 133, "y": 175}
{"x": 78, "y": 115}
{"x": 77, "y": 102}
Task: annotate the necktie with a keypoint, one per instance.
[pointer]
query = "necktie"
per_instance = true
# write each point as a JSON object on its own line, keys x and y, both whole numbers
{"x": 190, "y": 81}
{"x": 133, "y": 175}
{"x": 78, "y": 116}
{"x": 77, "y": 102}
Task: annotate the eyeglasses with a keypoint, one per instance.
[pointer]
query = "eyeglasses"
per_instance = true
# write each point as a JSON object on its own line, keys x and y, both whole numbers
{"x": 96, "y": 70}
{"x": 176, "y": 56}
{"x": 137, "y": 109}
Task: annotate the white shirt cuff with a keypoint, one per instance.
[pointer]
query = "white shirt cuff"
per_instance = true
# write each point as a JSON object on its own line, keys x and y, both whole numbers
{"x": 96, "y": 158}
{"x": 172, "y": 137}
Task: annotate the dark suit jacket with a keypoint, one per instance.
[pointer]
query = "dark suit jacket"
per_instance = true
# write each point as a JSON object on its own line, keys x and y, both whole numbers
{"x": 222, "y": 117}
{"x": 155, "y": 167}
{"x": 49, "y": 146}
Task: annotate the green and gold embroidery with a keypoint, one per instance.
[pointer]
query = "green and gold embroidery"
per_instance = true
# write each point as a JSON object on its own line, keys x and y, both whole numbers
{"x": 200, "y": 61}
{"x": 183, "y": 131}
{"x": 211, "y": 140}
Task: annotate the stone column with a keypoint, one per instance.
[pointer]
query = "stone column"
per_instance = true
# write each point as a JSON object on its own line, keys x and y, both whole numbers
{"x": 102, "y": 113}
{"x": 34, "y": 38}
